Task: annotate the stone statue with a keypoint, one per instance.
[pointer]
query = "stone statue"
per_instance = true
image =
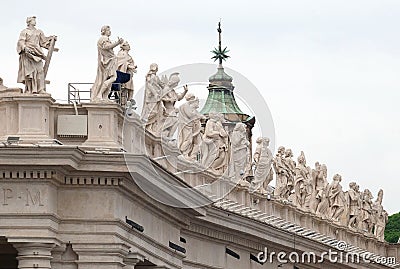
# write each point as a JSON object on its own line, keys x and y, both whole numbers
{"x": 365, "y": 219}
{"x": 152, "y": 105}
{"x": 282, "y": 174}
{"x": 263, "y": 160}
{"x": 29, "y": 47}
{"x": 169, "y": 97}
{"x": 290, "y": 167}
{"x": 107, "y": 66}
{"x": 189, "y": 128}
{"x": 302, "y": 184}
{"x": 215, "y": 146}
{"x": 319, "y": 176}
{"x": 126, "y": 64}
{"x": 354, "y": 203}
{"x": 322, "y": 209}
{"x": 2, "y": 87}
{"x": 380, "y": 216}
{"x": 240, "y": 152}
{"x": 336, "y": 198}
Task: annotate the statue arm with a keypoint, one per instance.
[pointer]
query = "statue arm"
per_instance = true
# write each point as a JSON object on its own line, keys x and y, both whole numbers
{"x": 182, "y": 94}
{"x": 21, "y": 42}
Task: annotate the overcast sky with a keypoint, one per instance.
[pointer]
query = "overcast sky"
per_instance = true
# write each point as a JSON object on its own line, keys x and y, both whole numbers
{"x": 329, "y": 71}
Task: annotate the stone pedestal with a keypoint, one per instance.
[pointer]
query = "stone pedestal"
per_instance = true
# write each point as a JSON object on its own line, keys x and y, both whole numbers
{"x": 28, "y": 116}
{"x": 105, "y": 122}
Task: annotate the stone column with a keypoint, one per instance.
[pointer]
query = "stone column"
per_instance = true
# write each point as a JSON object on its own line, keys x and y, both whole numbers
{"x": 34, "y": 255}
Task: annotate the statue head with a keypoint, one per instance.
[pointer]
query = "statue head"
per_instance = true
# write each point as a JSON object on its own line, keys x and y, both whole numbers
{"x": 337, "y": 179}
{"x": 289, "y": 153}
{"x": 1, "y": 82}
{"x": 325, "y": 170}
{"x": 302, "y": 158}
{"x": 352, "y": 185}
{"x": 240, "y": 127}
{"x": 154, "y": 67}
{"x": 379, "y": 199}
{"x": 173, "y": 80}
{"x": 106, "y": 30}
{"x": 317, "y": 166}
{"x": 281, "y": 150}
{"x": 31, "y": 21}
{"x": 217, "y": 116}
{"x": 125, "y": 46}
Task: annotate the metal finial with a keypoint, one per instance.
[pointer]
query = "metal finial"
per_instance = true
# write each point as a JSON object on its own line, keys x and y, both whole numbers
{"x": 220, "y": 54}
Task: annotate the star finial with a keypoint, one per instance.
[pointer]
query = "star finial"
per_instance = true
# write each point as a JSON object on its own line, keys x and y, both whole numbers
{"x": 219, "y": 53}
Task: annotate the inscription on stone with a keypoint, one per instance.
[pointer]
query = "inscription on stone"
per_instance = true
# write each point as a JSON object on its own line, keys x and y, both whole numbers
{"x": 29, "y": 197}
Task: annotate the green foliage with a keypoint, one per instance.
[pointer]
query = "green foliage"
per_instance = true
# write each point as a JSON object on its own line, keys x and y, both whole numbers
{"x": 392, "y": 231}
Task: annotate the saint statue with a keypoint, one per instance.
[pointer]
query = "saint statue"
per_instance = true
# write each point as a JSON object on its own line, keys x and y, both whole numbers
{"x": 189, "y": 128}
{"x": 31, "y": 70}
{"x": 215, "y": 146}
{"x": 107, "y": 66}
{"x": 263, "y": 160}
{"x": 337, "y": 199}
{"x": 126, "y": 64}
{"x": 240, "y": 153}
{"x": 302, "y": 183}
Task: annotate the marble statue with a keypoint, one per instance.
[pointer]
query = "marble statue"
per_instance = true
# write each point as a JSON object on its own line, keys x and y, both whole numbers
{"x": 2, "y": 87}
{"x": 263, "y": 160}
{"x": 302, "y": 184}
{"x": 152, "y": 104}
{"x": 380, "y": 217}
{"x": 126, "y": 64}
{"x": 365, "y": 219}
{"x": 169, "y": 97}
{"x": 189, "y": 128}
{"x": 240, "y": 152}
{"x": 281, "y": 173}
{"x": 290, "y": 165}
{"x": 215, "y": 146}
{"x": 107, "y": 66}
{"x": 319, "y": 176}
{"x": 31, "y": 56}
{"x": 336, "y": 198}
{"x": 354, "y": 205}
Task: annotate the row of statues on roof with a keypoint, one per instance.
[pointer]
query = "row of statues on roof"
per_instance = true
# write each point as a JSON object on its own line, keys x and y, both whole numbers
{"x": 213, "y": 146}
{"x": 228, "y": 153}
{"x": 309, "y": 190}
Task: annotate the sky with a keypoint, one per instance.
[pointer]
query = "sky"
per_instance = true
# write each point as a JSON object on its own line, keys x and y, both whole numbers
{"x": 327, "y": 70}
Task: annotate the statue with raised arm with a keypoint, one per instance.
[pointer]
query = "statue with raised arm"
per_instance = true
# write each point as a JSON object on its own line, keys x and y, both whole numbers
{"x": 281, "y": 174}
{"x": 380, "y": 216}
{"x": 263, "y": 160}
{"x": 336, "y": 198}
{"x": 126, "y": 64}
{"x": 354, "y": 204}
{"x": 189, "y": 128}
{"x": 152, "y": 104}
{"x": 302, "y": 183}
{"x": 107, "y": 66}
{"x": 169, "y": 98}
{"x": 240, "y": 153}
{"x": 31, "y": 70}
{"x": 215, "y": 146}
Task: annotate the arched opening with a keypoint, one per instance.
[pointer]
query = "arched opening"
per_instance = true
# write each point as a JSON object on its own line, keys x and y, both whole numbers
{"x": 8, "y": 255}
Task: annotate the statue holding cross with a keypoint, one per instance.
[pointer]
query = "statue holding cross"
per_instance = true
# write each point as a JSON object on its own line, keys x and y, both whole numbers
{"x": 31, "y": 71}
